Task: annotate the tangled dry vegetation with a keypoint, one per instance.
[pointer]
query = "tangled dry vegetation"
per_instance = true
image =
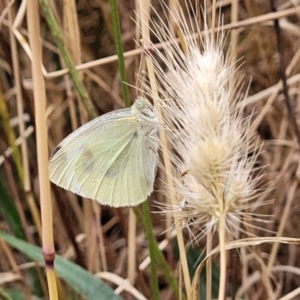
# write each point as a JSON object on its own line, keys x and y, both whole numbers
{"x": 111, "y": 243}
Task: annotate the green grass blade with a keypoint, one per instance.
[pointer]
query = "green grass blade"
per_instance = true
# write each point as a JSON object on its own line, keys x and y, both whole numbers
{"x": 119, "y": 49}
{"x": 79, "y": 279}
{"x": 12, "y": 294}
{"x": 10, "y": 214}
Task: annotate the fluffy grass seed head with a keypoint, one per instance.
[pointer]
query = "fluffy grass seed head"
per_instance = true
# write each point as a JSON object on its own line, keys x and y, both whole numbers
{"x": 212, "y": 153}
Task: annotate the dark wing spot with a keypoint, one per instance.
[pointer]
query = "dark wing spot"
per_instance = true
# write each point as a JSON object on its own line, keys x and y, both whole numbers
{"x": 56, "y": 149}
{"x": 87, "y": 159}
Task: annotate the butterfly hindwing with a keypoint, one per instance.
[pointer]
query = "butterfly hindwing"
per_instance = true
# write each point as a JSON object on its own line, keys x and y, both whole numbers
{"x": 101, "y": 167}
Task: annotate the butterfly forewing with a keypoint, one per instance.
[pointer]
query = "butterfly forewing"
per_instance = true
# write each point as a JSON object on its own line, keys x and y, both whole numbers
{"x": 111, "y": 159}
{"x": 64, "y": 156}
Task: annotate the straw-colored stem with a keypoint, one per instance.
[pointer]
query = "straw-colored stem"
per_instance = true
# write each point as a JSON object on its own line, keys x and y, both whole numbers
{"x": 292, "y": 295}
{"x": 208, "y": 264}
{"x": 213, "y": 21}
{"x": 283, "y": 220}
{"x": 101, "y": 241}
{"x": 88, "y": 217}
{"x": 223, "y": 263}
{"x": 234, "y": 32}
{"x": 25, "y": 178}
{"x": 166, "y": 159}
{"x": 42, "y": 149}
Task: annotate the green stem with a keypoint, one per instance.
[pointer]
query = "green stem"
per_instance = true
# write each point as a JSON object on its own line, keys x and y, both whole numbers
{"x": 152, "y": 251}
{"x": 11, "y": 137}
{"x": 160, "y": 259}
{"x": 119, "y": 49}
{"x": 58, "y": 38}
{"x": 4, "y": 295}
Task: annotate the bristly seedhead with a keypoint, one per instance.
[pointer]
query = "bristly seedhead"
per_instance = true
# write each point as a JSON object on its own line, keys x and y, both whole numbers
{"x": 213, "y": 155}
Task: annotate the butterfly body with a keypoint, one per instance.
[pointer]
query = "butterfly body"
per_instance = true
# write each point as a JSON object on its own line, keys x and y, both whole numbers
{"x": 111, "y": 159}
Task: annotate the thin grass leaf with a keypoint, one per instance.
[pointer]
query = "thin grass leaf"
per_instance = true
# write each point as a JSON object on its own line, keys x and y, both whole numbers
{"x": 80, "y": 280}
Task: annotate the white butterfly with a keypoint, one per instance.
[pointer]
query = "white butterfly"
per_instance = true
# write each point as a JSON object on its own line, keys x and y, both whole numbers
{"x": 111, "y": 159}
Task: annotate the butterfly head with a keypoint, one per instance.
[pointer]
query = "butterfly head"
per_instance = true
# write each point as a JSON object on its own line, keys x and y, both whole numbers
{"x": 143, "y": 108}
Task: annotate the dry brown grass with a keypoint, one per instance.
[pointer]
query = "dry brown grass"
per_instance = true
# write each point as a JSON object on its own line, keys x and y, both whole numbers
{"x": 97, "y": 237}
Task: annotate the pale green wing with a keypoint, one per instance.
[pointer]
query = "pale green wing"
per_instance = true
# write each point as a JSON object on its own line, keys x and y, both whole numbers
{"x": 121, "y": 170}
{"x": 114, "y": 164}
{"x": 63, "y": 158}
